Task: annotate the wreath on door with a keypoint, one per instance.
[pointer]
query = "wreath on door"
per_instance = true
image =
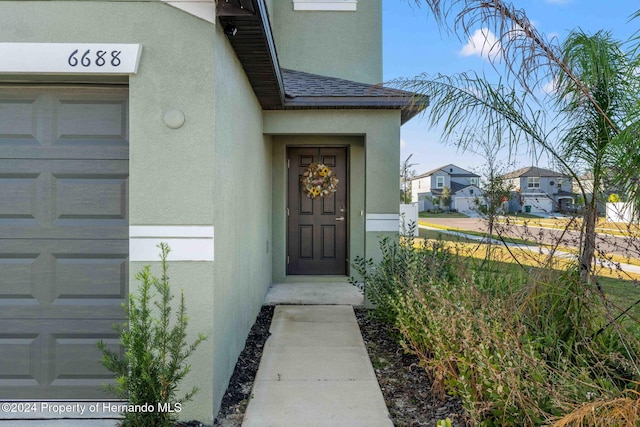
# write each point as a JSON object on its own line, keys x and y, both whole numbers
{"x": 318, "y": 181}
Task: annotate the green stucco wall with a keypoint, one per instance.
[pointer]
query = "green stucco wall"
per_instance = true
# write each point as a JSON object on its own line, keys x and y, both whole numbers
{"x": 221, "y": 168}
{"x": 242, "y": 211}
{"x": 347, "y": 45}
{"x": 213, "y": 171}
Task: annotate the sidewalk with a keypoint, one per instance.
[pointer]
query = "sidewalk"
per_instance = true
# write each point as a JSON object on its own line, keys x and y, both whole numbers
{"x": 315, "y": 371}
{"x": 613, "y": 265}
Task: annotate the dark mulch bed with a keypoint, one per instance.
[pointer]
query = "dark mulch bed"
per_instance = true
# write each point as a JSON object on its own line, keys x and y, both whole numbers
{"x": 238, "y": 392}
{"x": 405, "y": 385}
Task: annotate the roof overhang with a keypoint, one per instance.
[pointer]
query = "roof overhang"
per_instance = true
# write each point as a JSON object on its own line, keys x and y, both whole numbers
{"x": 254, "y": 46}
{"x": 370, "y": 103}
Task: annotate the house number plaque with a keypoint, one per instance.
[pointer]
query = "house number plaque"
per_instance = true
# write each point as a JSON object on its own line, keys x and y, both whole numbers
{"x": 69, "y": 58}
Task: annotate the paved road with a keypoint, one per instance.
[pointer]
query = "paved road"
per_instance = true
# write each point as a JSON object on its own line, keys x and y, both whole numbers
{"x": 605, "y": 243}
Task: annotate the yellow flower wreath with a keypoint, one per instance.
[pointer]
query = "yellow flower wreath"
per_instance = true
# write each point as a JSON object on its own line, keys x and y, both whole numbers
{"x": 318, "y": 181}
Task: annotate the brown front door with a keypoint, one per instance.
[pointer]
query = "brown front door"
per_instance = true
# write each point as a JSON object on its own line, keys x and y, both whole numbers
{"x": 317, "y": 228}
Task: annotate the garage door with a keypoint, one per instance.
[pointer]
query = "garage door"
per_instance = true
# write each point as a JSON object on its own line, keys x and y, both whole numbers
{"x": 466, "y": 204}
{"x": 63, "y": 237}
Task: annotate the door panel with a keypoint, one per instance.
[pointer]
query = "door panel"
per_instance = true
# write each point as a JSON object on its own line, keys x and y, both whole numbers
{"x": 317, "y": 228}
{"x": 63, "y": 237}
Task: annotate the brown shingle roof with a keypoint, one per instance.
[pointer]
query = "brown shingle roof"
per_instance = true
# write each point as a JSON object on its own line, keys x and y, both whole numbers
{"x": 301, "y": 84}
{"x": 431, "y": 172}
{"x": 306, "y": 90}
{"x": 533, "y": 171}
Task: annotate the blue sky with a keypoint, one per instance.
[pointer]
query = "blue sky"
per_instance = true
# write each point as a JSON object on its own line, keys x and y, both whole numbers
{"x": 412, "y": 44}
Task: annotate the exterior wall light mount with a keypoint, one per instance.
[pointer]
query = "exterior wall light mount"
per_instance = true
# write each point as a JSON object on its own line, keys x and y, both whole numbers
{"x": 230, "y": 29}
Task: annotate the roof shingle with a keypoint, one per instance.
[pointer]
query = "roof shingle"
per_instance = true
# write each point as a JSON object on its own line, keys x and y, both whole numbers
{"x": 306, "y": 90}
{"x": 533, "y": 171}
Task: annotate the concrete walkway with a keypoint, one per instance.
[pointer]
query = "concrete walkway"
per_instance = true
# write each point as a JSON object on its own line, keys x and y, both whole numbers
{"x": 315, "y": 371}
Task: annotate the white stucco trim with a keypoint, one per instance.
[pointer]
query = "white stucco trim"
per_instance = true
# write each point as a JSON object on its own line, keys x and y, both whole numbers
{"x": 326, "y": 5}
{"x": 202, "y": 9}
{"x": 187, "y": 242}
{"x": 382, "y": 222}
{"x": 70, "y": 58}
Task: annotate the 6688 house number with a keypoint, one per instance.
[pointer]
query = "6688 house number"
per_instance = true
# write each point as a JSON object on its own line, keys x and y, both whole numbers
{"x": 71, "y": 58}
{"x": 98, "y": 58}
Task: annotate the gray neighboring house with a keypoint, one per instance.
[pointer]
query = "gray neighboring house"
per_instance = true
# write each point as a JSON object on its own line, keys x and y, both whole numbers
{"x": 607, "y": 189}
{"x": 462, "y": 183}
{"x": 539, "y": 191}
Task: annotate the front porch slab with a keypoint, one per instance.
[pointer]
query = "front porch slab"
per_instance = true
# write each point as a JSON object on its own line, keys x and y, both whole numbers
{"x": 323, "y": 293}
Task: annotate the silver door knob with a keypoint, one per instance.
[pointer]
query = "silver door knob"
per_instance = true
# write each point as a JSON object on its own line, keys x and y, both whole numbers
{"x": 340, "y": 218}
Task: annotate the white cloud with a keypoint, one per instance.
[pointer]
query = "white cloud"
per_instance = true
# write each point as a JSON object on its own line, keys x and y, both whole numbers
{"x": 483, "y": 43}
{"x": 550, "y": 87}
{"x": 403, "y": 144}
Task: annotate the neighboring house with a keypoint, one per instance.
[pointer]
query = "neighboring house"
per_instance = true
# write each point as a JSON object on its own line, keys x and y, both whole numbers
{"x": 539, "y": 191}
{"x": 462, "y": 183}
{"x": 124, "y": 124}
{"x": 586, "y": 181}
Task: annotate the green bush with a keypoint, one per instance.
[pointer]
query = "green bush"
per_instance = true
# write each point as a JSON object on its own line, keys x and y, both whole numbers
{"x": 518, "y": 349}
{"x": 614, "y": 198}
{"x": 401, "y": 267}
{"x": 155, "y": 352}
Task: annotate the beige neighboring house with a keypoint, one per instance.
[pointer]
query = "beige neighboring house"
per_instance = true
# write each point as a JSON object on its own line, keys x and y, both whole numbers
{"x": 539, "y": 191}
{"x": 462, "y": 183}
{"x": 586, "y": 181}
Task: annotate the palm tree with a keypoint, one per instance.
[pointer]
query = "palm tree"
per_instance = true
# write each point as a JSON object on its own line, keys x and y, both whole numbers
{"x": 589, "y": 120}
{"x": 597, "y": 132}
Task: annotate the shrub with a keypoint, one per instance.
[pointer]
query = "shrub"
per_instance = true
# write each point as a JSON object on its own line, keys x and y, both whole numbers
{"x": 154, "y": 361}
{"x": 614, "y": 198}
{"x": 401, "y": 267}
{"x": 518, "y": 349}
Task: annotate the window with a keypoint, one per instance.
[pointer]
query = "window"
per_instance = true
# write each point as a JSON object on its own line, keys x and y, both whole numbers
{"x": 560, "y": 183}
{"x": 533, "y": 182}
{"x": 439, "y": 181}
{"x": 326, "y": 5}
{"x": 474, "y": 181}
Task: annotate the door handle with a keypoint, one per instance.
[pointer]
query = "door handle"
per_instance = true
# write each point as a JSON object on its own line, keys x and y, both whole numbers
{"x": 340, "y": 218}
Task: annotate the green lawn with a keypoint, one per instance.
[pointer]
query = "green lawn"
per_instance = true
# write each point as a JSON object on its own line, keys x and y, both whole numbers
{"x": 425, "y": 214}
{"x": 623, "y": 293}
{"x": 523, "y": 215}
{"x": 435, "y": 233}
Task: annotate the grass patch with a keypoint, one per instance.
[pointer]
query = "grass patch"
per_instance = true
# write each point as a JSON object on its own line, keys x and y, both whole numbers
{"x": 522, "y": 215}
{"x": 472, "y": 233}
{"x": 623, "y": 294}
{"x": 425, "y": 214}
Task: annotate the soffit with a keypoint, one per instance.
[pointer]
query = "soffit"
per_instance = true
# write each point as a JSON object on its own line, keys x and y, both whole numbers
{"x": 281, "y": 89}
{"x": 254, "y": 46}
